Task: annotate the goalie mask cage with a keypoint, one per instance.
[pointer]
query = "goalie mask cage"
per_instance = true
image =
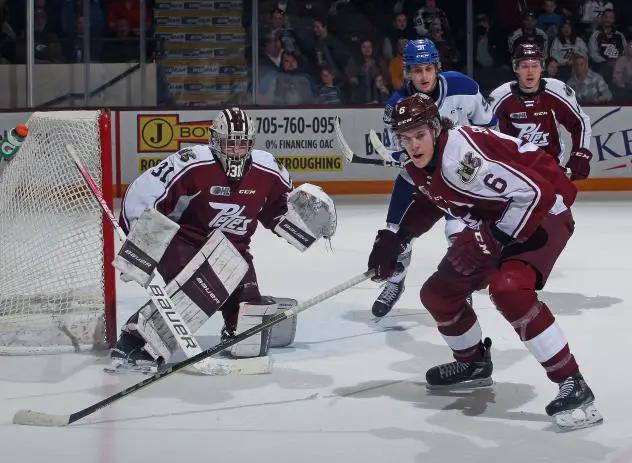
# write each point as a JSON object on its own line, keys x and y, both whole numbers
{"x": 57, "y": 285}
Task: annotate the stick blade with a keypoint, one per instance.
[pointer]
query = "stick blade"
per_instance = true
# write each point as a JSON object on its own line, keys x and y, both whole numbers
{"x": 342, "y": 144}
{"x": 32, "y": 418}
{"x": 246, "y": 366}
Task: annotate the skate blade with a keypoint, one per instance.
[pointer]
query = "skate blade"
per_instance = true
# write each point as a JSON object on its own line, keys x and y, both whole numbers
{"x": 578, "y": 418}
{"x": 464, "y": 386}
{"x": 126, "y": 368}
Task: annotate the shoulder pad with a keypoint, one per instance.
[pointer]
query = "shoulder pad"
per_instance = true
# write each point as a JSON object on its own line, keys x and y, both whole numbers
{"x": 558, "y": 87}
{"x": 459, "y": 84}
{"x": 269, "y": 163}
{"x": 499, "y": 92}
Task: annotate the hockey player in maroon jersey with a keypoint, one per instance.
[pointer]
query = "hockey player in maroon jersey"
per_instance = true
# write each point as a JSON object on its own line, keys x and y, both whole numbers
{"x": 533, "y": 108}
{"x": 516, "y": 202}
{"x": 225, "y": 185}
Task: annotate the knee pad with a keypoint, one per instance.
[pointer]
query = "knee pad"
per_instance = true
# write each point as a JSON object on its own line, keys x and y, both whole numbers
{"x": 512, "y": 287}
{"x": 444, "y": 305}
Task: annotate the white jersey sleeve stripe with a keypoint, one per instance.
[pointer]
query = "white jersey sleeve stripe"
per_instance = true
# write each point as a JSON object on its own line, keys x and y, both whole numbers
{"x": 273, "y": 172}
{"x": 583, "y": 119}
{"x": 496, "y": 103}
{"x": 521, "y": 194}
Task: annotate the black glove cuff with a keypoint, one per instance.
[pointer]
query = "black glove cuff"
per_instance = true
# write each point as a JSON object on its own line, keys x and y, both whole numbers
{"x": 404, "y": 235}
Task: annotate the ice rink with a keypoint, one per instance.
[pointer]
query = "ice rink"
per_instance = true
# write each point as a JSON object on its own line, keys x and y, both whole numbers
{"x": 349, "y": 389}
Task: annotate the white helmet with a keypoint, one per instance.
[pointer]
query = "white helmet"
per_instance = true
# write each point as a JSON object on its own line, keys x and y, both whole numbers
{"x": 231, "y": 139}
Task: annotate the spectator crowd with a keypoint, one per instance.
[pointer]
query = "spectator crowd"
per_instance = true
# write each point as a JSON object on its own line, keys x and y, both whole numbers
{"x": 350, "y": 51}
{"x": 114, "y": 29}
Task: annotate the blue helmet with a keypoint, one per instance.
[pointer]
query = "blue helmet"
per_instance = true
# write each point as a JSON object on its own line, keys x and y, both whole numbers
{"x": 422, "y": 51}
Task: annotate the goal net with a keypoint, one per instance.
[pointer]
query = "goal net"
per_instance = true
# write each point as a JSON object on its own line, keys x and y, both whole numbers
{"x": 56, "y": 279}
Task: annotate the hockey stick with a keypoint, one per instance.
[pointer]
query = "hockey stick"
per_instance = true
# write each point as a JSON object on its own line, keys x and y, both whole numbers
{"x": 162, "y": 301}
{"x": 378, "y": 146}
{"x": 33, "y": 418}
{"x": 354, "y": 158}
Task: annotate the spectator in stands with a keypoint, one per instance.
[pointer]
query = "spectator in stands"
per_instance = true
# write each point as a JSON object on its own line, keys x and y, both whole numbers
{"x": 273, "y": 51}
{"x": 269, "y": 68}
{"x": 398, "y": 30}
{"x": 430, "y": 16}
{"x": 622, "y": 75}
{"x": 47, "y": 46}
{"x": 52, "y": 14}
{"x": 589, "y": 86}
{"x": 396, "y": 66}
{"x": 124, "y": 47}
{"x": 381, "y": 92}
{"x": 7, "y": 36}
{"x": 550, "y": 21}
{"x": 491, "y": 60}
{"x": 565, "y": 46}
{"x": 552, "y": 69}
{"x": 278, "y": 26}
{"x": 328, "y": 93}
{"x": 328, "y": 50}
{"x": 591, "y": 12}
{"x": 606, "y": 45}
{"x": 369, "y": 67}
{"x": 293, "y": 85}
{"x": 128, "y": 9}
{"x": 529, "y": 33}
{"x": 447, "y": 51}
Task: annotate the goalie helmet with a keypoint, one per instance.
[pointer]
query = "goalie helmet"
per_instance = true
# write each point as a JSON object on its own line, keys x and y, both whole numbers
{"x": 526, "y": 51}
{"x": 231, "y": 139}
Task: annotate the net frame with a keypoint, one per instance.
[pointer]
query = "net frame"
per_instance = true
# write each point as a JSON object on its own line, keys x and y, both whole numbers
{"x": 102, "y": 333}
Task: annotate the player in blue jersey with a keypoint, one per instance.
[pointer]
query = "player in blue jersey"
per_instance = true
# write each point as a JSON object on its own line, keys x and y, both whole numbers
{"x": 459, "y": 99}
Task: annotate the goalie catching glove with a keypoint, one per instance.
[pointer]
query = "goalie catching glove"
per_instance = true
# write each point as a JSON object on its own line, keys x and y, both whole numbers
{"x": 311, "y": 215}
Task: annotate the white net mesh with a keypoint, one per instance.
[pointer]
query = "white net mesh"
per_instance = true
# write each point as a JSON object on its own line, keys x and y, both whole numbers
{"x": 52, "y": 291}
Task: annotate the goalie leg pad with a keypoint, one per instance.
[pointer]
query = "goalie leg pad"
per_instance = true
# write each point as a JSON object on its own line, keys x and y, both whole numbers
{"x": 145, "y": 245}
{"x": 311, "y": 215}
{"x": 197, "y": 292}
{"x": 283, "y": 333}
{"x": 251, "y": 314}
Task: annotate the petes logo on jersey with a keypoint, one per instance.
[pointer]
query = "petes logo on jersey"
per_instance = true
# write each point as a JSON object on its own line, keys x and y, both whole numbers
{"x": 229, "y": 218}
{"x": 532, "y": 133}
{"x": 470, "y": 165}
{"x": 220, "y": 190}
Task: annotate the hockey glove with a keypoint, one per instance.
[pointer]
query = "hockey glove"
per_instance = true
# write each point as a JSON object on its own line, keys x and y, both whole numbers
{"x": 383, "y": 259}
{"x": 474, "y": 248}
{"x": 579, "y": 164}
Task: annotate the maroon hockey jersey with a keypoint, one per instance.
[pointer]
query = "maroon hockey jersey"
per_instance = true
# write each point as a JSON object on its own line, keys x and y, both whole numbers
{"x": 482, "y": 175}
{"x": 190, "y": 188}
{"x": 537, "y": 117}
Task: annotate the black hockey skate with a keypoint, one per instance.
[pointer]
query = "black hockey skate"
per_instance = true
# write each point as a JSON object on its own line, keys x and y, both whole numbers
{"x": 462, "y": 375}
{"x": 129, "y": 356}
{"x": 573, "y": 407}
{"x": 388, "y": 298}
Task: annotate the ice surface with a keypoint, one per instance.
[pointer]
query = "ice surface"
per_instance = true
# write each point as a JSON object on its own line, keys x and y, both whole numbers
{"x": 350, "y": 390}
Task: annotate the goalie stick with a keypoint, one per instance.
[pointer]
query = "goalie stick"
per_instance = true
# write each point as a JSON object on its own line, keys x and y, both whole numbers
{"x": 33, "y": 418}
{"x": 354, "y": 158}
{"x": 162, "y": 301}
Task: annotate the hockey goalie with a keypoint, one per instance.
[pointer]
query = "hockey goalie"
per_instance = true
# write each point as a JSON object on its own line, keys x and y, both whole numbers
{"x": 185, "y": 216}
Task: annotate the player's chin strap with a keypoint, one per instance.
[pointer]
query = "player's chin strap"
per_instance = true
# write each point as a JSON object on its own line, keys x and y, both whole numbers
{"x": 311, "y": 215}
